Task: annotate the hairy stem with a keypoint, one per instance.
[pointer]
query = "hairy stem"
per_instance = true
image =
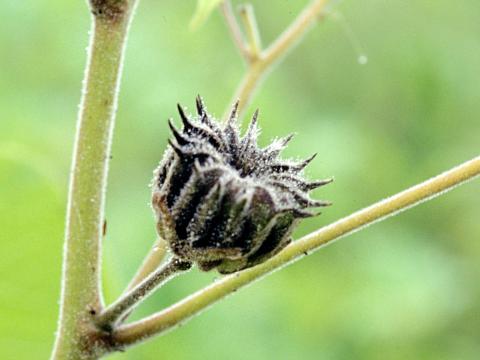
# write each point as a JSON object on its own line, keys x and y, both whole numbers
{"x": 152, "y": 261}
{"x": 260, "y": 65}
{"x": 81, "y": 295}
{"x": 110, "y": 316}
{"x": 176, "y": 314}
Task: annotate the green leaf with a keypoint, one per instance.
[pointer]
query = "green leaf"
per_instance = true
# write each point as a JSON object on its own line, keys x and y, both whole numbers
{"x": 202, "y": 12}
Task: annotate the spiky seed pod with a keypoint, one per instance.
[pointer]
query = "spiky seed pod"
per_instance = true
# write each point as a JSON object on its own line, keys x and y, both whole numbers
{"x": 221, "y": 201}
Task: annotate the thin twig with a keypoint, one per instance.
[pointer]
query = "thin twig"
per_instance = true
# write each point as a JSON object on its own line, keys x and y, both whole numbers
{"x": 287, "y": 40}
{"x": 235, "y": 31}
{"x": 268, "y": 58}
{"x": 254, "y": 42}
{"x": 176, "y": 314}
{"x": 151, "y": 262}
{"x": 109, "y": 317}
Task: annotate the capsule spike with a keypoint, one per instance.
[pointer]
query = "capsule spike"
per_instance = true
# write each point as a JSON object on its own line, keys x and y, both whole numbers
{"x": 284, "y": 141}
{"x": 187, "y": 124}
{"x": 200, "y": 105}
{"x": 304, "y": 163}
{"x": 255, "y": 117}
{"x": 317, "y": 184}
{"x": 234, "y": 113}
{"x": 204, "y": 119}
{"x": 176, "y": 148}
{"x": 319, "y": 203}
{"x": 181, "y": 140}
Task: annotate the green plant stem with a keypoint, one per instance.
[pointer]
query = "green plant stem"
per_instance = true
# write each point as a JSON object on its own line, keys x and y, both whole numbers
{"x": 176, "y": 314}
{"x": 108, "y": 318}
{"x": 247, "y": 15}
{"x": 235, "y": 31}
{"x": 81, "y": 295}
{"x": 152, "y": 261}
{"x": 260, "y": 65}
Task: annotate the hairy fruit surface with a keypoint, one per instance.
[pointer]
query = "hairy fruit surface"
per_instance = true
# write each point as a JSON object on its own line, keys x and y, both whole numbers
{"x": 223, "y": 202}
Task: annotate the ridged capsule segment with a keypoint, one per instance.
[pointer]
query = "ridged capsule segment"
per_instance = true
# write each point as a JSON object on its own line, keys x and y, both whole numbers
{"x": 223, "y": 202}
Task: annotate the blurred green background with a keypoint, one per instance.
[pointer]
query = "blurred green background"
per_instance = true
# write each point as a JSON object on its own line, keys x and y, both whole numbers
{"x": 403, "y": 289}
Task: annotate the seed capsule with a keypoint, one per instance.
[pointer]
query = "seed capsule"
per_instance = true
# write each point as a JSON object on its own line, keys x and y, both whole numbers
{"x": 223, "y": 202}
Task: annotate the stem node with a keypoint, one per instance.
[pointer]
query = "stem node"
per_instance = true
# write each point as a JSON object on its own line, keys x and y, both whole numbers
{"x": 110, "y": 10}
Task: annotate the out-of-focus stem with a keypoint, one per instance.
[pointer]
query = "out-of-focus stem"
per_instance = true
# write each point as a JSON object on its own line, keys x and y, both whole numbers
{"x": 253, "y": 35}
{"x": 260, "y": 65}
{"x": 235, "y": 31}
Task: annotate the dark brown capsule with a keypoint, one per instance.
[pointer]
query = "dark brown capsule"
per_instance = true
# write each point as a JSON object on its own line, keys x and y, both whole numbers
{"x": 223, "y": 202}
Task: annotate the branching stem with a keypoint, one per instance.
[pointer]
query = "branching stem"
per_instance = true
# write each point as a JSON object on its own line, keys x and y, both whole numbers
{"x": 235, "y": 31}
{"x": 176, "y": 314}
{"x": 261, "y": 62}
{"x": 87, "y": 330}
{"x": 151, "y": 262}
{"x": 247, "y": 15}
{"x": 113, "y": 313}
